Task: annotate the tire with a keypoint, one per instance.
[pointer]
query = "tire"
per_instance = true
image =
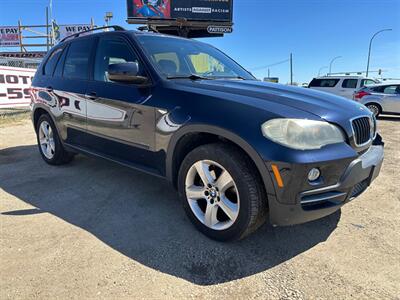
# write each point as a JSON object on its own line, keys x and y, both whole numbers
{"x": 375, "y": 109}
{"x": 50, "y": 146}
{"x": 239, "y": 208}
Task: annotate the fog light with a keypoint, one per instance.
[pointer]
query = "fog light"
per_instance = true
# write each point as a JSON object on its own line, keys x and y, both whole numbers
{"x": 313, "y": 174}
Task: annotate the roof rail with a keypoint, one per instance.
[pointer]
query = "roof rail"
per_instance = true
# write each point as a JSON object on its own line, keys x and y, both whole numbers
{"x": 115, "y": 27}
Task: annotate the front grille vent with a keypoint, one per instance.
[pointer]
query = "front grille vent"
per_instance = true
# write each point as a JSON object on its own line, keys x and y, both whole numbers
{"x": 362, "y": 130}
{"x": 359, "y": 188}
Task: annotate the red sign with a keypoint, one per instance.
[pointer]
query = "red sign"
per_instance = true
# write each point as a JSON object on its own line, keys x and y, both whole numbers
{"x": 9, "y": 36}
{"x": 152, "y": 9}
{"x": 15, "y": 86}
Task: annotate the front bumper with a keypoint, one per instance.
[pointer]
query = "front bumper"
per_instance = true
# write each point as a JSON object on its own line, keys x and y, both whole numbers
{"x": 315, "y": 203}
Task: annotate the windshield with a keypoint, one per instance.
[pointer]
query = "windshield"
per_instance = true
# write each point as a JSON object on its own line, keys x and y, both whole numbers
{"x": 181, "y": 58}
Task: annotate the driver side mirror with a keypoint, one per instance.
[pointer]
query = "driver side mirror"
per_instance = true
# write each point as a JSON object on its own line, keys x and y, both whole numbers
{"x": 126, "y": 73}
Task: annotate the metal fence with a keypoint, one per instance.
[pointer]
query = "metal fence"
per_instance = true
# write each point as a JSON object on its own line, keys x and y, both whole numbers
{"x": 30, "y": 63}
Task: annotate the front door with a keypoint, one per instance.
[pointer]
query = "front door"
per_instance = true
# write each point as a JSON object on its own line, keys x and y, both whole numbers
{"x": 119, "y": 123}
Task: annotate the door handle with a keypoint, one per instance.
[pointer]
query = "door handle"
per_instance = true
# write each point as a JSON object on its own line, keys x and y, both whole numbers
{"x": 91, "y": 96}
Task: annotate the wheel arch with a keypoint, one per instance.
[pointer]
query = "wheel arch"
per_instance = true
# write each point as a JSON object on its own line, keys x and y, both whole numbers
{"x": 175, "y": 154}
{"x": 37, "y": 112}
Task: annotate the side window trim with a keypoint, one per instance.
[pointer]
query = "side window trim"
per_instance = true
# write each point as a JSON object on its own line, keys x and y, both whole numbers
{"x": 66, "y": 55}
{"x": 48, "y": 59}
{"x": 92, "y": 58}
{"x": 61, "y": 61}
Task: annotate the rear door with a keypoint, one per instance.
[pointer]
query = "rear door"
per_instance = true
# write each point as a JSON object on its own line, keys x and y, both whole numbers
{"x": 66, "y": 75}
{"x": 119, "y": 122}
{"x": 391, "y": 98}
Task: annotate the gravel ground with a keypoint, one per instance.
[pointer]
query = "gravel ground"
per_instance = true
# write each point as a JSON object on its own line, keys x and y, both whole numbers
{"x": 93, "y": 229}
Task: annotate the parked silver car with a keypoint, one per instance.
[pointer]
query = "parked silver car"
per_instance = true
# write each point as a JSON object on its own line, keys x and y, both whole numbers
{"x": 380, "y": 98}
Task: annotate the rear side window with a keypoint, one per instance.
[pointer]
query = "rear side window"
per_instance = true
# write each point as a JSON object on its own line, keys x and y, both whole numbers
{"x": 391, "y": 89}
{"x": 349, "y": 83}
{"x": 60, "y": 64}
{"x": 77, "y": 61}
{"x": 327, "y": 82}
{"x": 386, "y": 89}
{"x": 52, "y": 61}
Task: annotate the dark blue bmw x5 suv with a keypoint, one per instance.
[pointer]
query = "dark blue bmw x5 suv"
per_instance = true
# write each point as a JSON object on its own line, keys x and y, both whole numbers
{"x": 238, "y": 150}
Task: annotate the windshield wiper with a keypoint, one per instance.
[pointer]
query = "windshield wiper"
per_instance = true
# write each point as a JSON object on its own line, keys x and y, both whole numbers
{"x": 191, "y": 77}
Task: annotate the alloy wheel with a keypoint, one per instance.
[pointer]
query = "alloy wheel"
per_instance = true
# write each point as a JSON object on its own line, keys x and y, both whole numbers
{"x": 374, "y": 109}
{"x": 46, "y": 140}
{"x": 212, "y": 194}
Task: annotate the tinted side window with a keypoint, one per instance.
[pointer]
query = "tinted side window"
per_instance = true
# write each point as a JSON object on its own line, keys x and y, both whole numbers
{"x": 323, "y": 82}
{"x": 111, "y": 50}
{"x": 378, "y": 89}
{"x": 349, "y": 83}
{"x": 391, "y": 89}
{"x": 60, "y": 64}
{"x": 77, "y": 61}
{"x": 52, "y": 61}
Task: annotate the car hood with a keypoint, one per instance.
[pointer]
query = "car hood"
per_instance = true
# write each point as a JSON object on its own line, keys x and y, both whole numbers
{"x": 323, "y": 105}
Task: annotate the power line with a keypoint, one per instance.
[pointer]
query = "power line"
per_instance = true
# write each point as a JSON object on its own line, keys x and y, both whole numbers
{"x": 271, "y": 65}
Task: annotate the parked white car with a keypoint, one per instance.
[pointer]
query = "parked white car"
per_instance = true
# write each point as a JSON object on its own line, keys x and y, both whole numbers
{"x": 344, "y": 86}
{"x": 381, "y": 98}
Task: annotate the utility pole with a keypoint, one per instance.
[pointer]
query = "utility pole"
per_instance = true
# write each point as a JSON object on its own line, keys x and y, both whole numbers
{"x": 20, "y": 35}
{"x": 291, "y": 69}
{"x": 47, "y": 28}
{"x": 268, "y": 73}
{"x": 369, "y": 49}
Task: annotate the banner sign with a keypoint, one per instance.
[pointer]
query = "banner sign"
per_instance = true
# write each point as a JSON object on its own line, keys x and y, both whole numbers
{"x": 192, "y": 10}
{"x": 9, "y": 36}
{"x": 15, "y": 86}
{"x": 62, "y": 31}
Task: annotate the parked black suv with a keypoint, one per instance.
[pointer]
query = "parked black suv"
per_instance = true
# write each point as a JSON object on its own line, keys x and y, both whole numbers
{"x": 238, "y": 150}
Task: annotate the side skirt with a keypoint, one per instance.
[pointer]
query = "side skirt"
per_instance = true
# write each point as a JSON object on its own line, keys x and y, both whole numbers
{"x": 83, "y": 150}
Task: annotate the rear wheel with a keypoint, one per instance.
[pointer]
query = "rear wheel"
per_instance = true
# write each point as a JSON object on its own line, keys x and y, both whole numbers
{"x": 374, "y": 108}
{"x": 220, "y": 192}
{"x": 49, "y": 143}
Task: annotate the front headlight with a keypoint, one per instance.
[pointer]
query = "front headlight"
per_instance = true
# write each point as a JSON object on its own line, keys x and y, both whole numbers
{"x": 301, "y": 133}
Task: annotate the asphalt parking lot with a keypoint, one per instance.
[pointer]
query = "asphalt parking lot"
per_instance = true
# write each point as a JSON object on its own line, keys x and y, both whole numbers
{"x": 93, "y": 229}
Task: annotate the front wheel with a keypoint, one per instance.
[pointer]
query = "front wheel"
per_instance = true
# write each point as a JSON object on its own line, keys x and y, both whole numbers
{"x": 221, "y": 193}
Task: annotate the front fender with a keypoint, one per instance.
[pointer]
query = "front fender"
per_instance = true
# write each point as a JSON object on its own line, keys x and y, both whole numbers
{"x": 226, "y": 134}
